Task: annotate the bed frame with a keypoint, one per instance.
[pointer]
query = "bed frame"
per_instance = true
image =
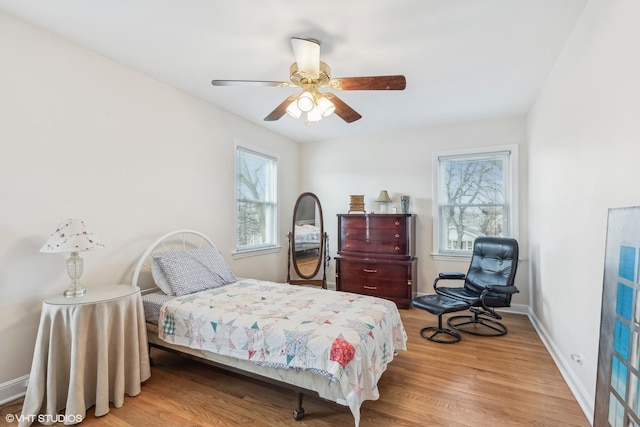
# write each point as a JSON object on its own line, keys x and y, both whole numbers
{"x": 190, "y": 239}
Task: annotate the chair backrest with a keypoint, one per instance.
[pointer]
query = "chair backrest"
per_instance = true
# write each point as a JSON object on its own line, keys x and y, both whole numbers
{"x": 494, "y": 262}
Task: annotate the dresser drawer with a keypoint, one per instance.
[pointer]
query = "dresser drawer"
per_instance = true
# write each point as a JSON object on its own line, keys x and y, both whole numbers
{"x": 374, "y": 270}
{"x": 385, "y": 222}
{"x": 386, "y": 280}
{"x": 381, "y": 290}
{"x": 389, "y": 247}
{"x": 376, "y": 234}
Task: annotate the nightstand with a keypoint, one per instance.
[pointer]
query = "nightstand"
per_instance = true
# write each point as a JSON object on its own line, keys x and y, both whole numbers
{"x": 90, "y": 350}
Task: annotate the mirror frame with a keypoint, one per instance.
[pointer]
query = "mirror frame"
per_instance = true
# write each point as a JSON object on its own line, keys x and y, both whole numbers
{"x": 321, "y": 248}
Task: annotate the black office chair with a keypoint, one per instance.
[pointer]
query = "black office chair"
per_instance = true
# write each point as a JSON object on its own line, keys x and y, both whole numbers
{"x": 487, "y": 285}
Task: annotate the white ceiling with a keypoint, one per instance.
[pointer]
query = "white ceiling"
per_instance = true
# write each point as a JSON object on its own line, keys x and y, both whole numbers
{"x": 463, "y": 59}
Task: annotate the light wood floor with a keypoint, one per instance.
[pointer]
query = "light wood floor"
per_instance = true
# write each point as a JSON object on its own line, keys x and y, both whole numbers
{"x": 503, "y": 381}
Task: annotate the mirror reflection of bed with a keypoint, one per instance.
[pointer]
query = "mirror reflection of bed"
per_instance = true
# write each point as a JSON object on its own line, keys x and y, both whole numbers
{"x": 307, "y": 242}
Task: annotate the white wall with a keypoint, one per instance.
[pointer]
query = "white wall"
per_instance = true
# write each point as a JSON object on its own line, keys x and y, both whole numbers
{"x": 584, "y": 142}
{"x": 82, "y": 136}
{"x": 401, "y": 164}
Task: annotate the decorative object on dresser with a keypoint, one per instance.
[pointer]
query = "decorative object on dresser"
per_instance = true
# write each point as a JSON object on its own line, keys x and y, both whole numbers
{"x": 376, "y": 256}
{"x": 72, "y": 235}
{"x": 357, "y": 203}
{"x": 404, "y": 203}
{"x": 383, "y": 199}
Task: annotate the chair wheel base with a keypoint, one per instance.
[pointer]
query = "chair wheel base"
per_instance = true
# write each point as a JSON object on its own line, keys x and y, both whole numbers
{"x": 440, "y": 335}
{"x": 471, "y": 324}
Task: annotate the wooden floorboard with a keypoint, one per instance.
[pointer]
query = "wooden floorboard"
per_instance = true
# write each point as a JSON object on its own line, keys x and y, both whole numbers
{"x": 502, "y": 381}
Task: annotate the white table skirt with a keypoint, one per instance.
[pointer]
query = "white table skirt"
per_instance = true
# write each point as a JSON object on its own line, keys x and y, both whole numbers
{"x": 86, "y": 354}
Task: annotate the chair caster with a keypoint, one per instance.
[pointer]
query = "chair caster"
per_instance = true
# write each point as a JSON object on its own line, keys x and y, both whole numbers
{"x": 298, "y": 413}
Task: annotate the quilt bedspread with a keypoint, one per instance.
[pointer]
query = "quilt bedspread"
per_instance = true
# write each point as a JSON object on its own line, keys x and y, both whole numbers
{"x": 349, "y": 338}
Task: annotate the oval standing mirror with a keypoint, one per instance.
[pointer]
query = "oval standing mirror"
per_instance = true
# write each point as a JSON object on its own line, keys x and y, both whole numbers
{"x": 307, "y": 240}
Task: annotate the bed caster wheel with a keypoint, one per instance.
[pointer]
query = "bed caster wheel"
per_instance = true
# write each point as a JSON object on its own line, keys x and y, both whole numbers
{"x": 298, "y": 414}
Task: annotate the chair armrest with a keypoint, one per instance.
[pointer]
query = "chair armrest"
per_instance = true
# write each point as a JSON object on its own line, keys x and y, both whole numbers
{"x": 500, "y": 289}
{"x": 451, "y": 276}
{"x": 448, "y": 276}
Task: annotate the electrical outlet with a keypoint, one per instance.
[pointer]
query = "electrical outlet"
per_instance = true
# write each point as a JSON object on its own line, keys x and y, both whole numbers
{"x": 577, "y": 357}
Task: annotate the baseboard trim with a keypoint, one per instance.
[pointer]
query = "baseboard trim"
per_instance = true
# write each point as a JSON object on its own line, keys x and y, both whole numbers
{"x": 584, "y": 400}
{"x": 516, "y": 309}
{"x": 14, "y": 389}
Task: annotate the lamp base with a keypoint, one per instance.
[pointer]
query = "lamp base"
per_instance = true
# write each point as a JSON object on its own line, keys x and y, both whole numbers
{"x": 74, "y": 270}
{"x": 74, "y": 291}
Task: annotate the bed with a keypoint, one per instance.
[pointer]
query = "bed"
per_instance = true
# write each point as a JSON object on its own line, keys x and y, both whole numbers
{"x": 314, "y": 341}
{"x": 307, "y": 237}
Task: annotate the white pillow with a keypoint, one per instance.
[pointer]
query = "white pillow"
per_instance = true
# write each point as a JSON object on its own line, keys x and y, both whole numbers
{"x": 194, "y": 270}
{"x": 160, "y": 278}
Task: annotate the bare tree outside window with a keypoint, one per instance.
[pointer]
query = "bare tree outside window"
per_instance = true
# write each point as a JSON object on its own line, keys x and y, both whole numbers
{"x": 255, "y": 199}
{"x": 473, "y": 199}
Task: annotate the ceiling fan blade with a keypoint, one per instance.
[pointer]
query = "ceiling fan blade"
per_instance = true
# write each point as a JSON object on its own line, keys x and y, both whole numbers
{"x": 343, "y": 111}
{"x": 248, "y": 83}
{"x": 370, "y": 83}
{"x": 307, "y": 53}
{"x": 280, "y": 109}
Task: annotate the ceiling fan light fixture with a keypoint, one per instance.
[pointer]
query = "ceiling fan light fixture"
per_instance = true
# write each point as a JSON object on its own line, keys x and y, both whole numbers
{"x": 293, "y": 109}
{"x": 325, "y": 107}
{"x": 306, "y": 102}
{"x": 314, "y": 115}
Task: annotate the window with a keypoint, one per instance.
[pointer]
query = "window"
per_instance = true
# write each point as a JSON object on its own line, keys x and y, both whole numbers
{"x": 256, "y": 200}
{"x": 474, "y": 195}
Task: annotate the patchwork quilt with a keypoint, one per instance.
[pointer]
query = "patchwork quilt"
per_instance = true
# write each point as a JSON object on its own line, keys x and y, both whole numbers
{"x": 348, "y": 338}
{"x": 306, "y": 233}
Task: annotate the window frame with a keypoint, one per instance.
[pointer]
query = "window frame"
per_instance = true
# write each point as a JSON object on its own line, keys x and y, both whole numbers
{"x": 441, "y": 252}
{"x": 273, "y": 245}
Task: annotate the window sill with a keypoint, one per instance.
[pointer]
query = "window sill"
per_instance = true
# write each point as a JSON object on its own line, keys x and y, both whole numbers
{"x": 459, "y": 258}
{"x": 452, "y": 257}
{"x": 256, "y": 252}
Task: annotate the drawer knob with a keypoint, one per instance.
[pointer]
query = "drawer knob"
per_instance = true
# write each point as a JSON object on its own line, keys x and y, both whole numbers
{"x": 397, "y": 235}
{"x": 348, "y": 245}
{"x": 397, "y": 248}
{"x": 397, "y": 222}
{"x": 370, "y": 270}
{"x": 371, "y": 288}
{"x": 347, "y": 234}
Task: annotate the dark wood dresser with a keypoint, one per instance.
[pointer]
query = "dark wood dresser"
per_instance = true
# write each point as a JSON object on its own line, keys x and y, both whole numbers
{"x": 376, "y": 256}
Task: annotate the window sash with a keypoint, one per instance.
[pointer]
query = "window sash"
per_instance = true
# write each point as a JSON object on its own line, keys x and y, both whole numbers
{"x": 256, "y": 200}
{"x": 478, "y": 213}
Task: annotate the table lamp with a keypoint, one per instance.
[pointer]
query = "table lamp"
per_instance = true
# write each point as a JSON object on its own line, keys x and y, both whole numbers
{"x": 72, "y": 235}
{"x": 383, "y": 199}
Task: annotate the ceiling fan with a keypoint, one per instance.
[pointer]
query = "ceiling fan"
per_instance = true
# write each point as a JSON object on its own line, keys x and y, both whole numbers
{"x": 310, "y": 74}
